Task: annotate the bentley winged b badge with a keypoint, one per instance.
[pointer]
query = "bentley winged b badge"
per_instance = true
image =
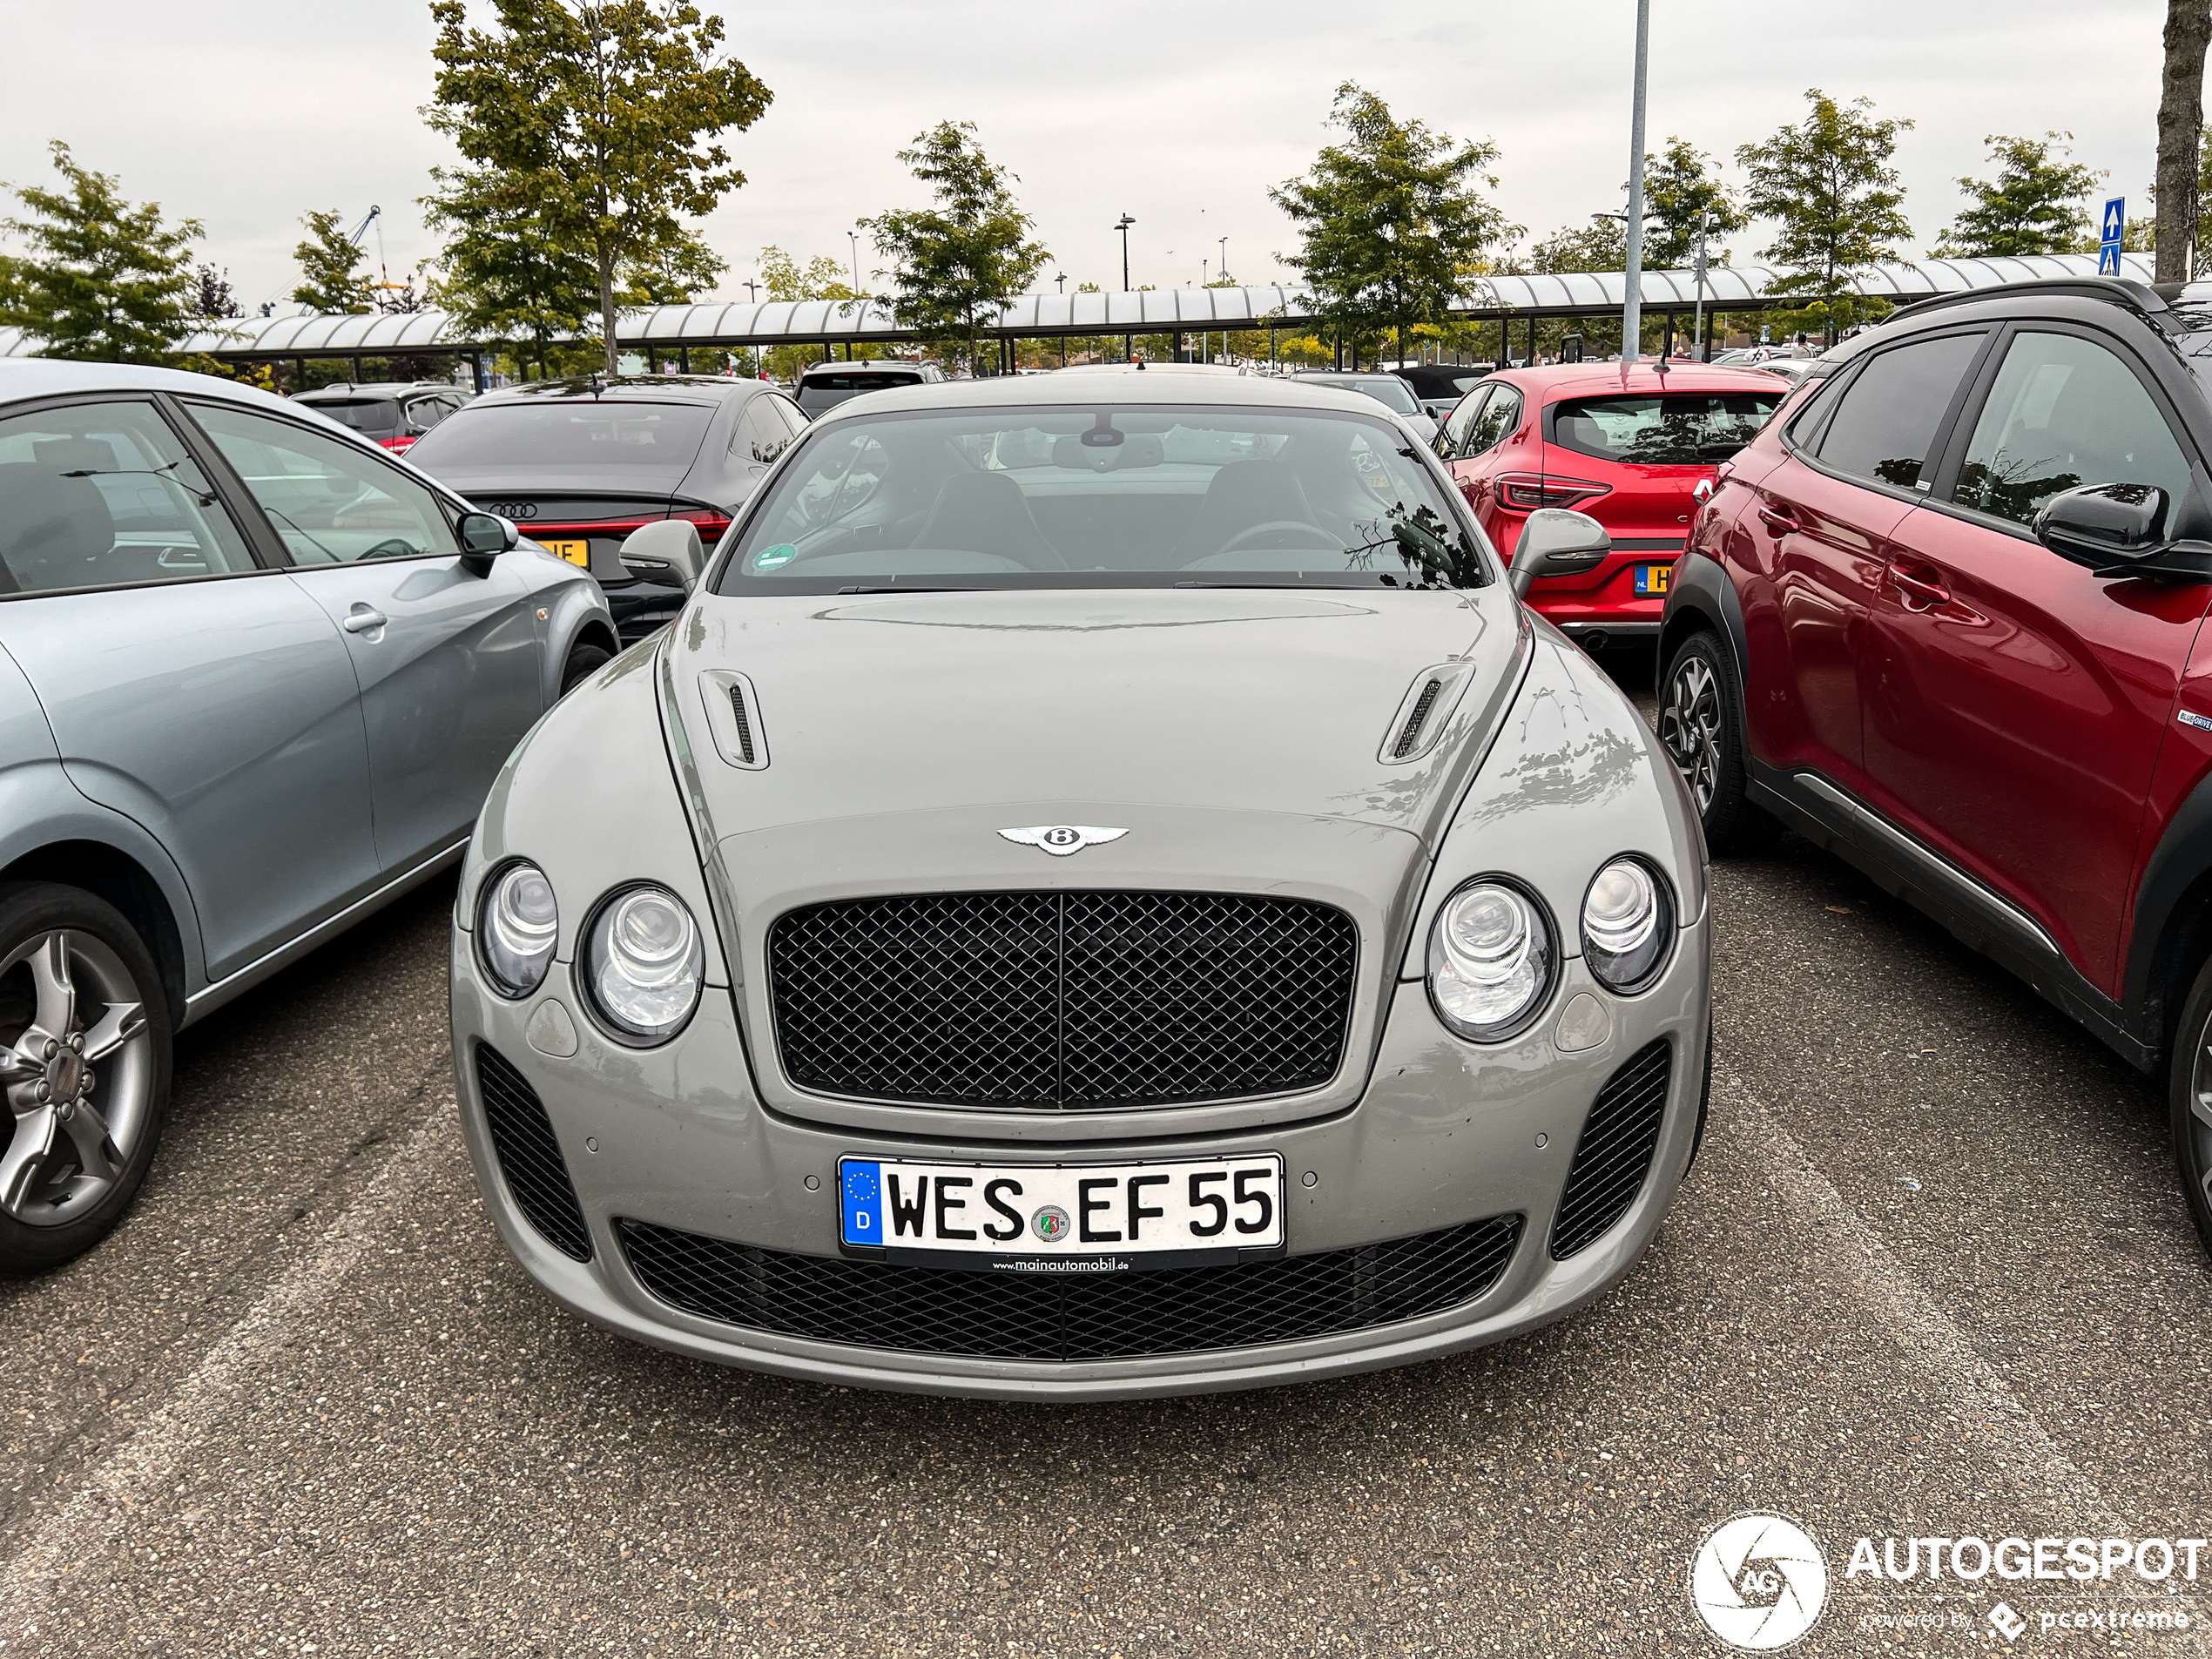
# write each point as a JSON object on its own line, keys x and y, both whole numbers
{"x": 1061, "y": 839}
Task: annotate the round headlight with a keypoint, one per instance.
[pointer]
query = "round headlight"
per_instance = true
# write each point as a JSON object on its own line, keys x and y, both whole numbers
{"x": 517, "y": 926}
{"x": 1627, "y": 923}
{"x": 644, "y": 963}
{"x": 1490, "y": 960}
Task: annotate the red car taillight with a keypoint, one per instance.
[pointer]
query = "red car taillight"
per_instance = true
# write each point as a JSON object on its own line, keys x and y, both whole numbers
{"x": 710, "y": 523}
{"x": 1526, "y": 491}
{"x": 400, "y": 445}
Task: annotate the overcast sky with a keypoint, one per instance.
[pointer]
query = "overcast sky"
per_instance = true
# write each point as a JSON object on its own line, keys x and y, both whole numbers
{"x": 1181, "y": 112}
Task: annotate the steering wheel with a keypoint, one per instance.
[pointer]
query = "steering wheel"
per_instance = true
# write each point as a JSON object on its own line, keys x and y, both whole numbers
{"x": 392, "y": 547}
{"x": 1321, "y": 537}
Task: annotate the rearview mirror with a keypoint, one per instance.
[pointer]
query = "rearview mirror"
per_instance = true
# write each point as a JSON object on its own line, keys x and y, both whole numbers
{"x": 1557, "y": 542}
{"x": 483, "y": 537}
{"x": 666, "y": 551}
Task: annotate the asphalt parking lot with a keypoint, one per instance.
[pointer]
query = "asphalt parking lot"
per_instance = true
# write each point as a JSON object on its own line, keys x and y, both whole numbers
{"x": 1930, "y": 1276}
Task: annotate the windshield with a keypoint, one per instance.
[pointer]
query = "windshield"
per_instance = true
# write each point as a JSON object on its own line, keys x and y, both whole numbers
{"x": 1104, "y": 498}
{"x": 1674, "y": 428}
{"x": 611, "y": 432}
{"x": 1389, "y": 391}
{"x": 861, "y": 381}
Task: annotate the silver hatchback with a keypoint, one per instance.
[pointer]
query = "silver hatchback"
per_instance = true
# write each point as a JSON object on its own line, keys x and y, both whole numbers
{"x": 255, "y": 678}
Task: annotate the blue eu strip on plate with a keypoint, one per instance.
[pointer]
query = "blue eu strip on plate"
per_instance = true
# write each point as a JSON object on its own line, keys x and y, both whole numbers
{"x": 863, "y": 1203}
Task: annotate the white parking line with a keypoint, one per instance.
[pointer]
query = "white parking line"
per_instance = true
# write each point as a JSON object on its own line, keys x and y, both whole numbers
{"x": 102, "y": 1508}
{"x": 1902, "y": 1309}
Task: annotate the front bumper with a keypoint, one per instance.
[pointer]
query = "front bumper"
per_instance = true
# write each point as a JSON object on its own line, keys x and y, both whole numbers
{"x": 1444, "y": 1134}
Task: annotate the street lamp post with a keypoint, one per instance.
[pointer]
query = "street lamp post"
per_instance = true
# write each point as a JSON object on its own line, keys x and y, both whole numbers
{"x": 1632, "y": 296}
{"x": 1224, "y": 256}
{"x": 1697, "y": 269}
{"x": 1129, "y": 342}
{"x": 854, "y": 237}
{"x": 1062, "y": 280}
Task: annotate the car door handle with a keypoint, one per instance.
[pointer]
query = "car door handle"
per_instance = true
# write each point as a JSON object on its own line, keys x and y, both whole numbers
{"x": 1920, "y": 586}
{"x": 363, "y": 619}
{"x": 1780, "y": 520}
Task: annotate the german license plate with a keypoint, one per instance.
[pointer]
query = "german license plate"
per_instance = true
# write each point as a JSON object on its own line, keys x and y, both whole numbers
{"x": 1654, "y": 579}
{"x": 579, "y": 553}
{"x": 1071, "y": 1218}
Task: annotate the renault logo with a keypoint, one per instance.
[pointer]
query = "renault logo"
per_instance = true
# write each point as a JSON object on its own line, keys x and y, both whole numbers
{"x": 1061, "y": 839}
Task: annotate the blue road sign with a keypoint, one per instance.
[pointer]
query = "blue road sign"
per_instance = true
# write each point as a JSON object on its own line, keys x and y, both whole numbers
{"x": 2115, "y": 220}
{"x": 2108, "y": 259}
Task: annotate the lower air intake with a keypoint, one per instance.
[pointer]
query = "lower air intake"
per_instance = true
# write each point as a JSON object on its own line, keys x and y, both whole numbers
{"x": 1615, "y": 1153}
{"x": 529, "y": 1157}
{"x": 1108, "y": 1316}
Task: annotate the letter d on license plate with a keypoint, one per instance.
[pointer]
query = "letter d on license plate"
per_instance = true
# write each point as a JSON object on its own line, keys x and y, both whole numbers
{"x": 1063, "y": 1219}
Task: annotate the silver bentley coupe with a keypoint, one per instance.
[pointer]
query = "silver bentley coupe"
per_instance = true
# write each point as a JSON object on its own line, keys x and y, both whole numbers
{"x": 1103, "y": 890}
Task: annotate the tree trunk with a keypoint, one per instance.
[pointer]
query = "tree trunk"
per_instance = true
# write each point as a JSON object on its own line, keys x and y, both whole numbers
{"x": 607, "y": 307}
{"x": 2181, "y": 118}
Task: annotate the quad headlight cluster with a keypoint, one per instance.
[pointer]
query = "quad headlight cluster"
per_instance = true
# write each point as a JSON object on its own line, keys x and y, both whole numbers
{"x": 1494, "y": 956}
{"x": 643, "y": 961}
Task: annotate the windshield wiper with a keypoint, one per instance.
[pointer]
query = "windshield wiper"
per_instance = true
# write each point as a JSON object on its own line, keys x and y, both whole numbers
{"x": 907, "y": 587}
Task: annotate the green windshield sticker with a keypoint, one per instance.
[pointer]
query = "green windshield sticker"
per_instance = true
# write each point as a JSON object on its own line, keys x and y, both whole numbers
{"x": 769, "y": 557}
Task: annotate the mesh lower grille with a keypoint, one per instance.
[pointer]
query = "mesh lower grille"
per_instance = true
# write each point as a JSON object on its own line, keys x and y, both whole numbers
{"x": 1615, "y": 1153}
{"x": 530, "y": 1155}
{"x": 1061, "y": 1000}
{"x": 1111, "y": 1316}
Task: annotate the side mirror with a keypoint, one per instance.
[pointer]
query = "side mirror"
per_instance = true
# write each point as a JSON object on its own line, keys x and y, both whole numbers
{"x": 484, "y": 536}
{"x": 666, "y": 551}
{"x": 2103, "y": 525}
{"x": 1556, "y": 541}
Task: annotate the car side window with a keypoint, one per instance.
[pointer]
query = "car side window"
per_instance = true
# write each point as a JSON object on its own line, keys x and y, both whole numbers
{"x": 102, "y": 495}
{"x": 1499, "y": 417}
{"x": 1885, "y": 426}
{"x": 330, "y": 503}
{"x": 2065, "y": 411}
{"x": 761, "y": 435}
{"x": 793, "y": 416}
{"x": 1454, "y": 438}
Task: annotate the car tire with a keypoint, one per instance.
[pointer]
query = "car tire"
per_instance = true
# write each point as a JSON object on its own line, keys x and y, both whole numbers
{"x": 584, "y": 658}
{"x": 2190, "y": 1094}
{"x": 85, "y": 1027}
{"x": 1701, "y": 726}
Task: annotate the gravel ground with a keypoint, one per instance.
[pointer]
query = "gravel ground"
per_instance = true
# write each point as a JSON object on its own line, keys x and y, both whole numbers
{"x": 1931, "y": 1276}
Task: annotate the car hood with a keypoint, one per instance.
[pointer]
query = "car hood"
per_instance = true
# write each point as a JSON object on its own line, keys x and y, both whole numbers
{"x": 1239, "y": 735}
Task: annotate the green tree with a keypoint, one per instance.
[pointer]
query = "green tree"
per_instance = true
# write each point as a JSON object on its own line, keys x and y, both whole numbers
{"x": 597, "y": 124}
{"x": 823, "y": 278}
{"x": 965, "y": 259}
{"x": 502, "y": 277}
{"x": 1389, "y": 220}
{"x": 330, "y": 277}
{"x": 101, "y": 279}
{"x": 213, "y": 296}
{"x": 1830, "y": 186}
{"x": 2034, "y": 205}
{"x": 1678, "y": 187}
{"x": 1601, "y": 245}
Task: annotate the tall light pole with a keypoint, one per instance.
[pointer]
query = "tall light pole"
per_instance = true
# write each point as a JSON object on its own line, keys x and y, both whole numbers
{"x": 1123, "y": 225}
{"x": 855, "y": 237}
{"x": 1224, "y": 256}
{"x": 1632, "y": 296}
{"x": 1062, "y": 280}
{"x": 1697, "y": 328}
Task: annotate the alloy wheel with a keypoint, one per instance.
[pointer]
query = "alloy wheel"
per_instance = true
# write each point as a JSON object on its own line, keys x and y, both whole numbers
{"x": 2196, "y": 1154}
{"x": 77, "y": 1069}
{"x": 1689, "y": 727}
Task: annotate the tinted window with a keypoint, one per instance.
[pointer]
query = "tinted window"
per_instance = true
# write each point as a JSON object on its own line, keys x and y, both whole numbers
{"x": 2063, "y": 412}
{"x": 760, "y": 436}
{"x": 332, "y": 503}
{"x": 1454, "y": 438}
{"x": 1104, "y": 496}
{"x": 1500, "y": 415}
{"x": 611, "y": 432}
{"x": 790, "y": 413}
{"x": 376, "y": 417}
{"x": 1888, "y": 416}
{"x": 848, "y": 381}
{"x": 101, "y": 494}
{"x": 1387, "y": 390}
{"x": 1663, "y": 429}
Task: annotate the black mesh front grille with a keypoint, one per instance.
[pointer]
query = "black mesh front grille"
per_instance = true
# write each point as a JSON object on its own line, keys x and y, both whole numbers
{"x": 1615, "y": 1153}
{"x": 529, "y": 1157}
{"x": 1053, "y": 1000}
{"x": 1108, "y": 1316}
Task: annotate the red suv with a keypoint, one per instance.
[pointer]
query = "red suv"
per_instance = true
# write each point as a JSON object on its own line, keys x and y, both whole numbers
{"x": 1945, "y": 615}
{"x": 1634, "y": 445}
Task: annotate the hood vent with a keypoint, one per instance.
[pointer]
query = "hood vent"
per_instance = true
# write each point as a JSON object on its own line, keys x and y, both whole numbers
{"x": 733, "y": 715}
{"x": 1423, "y": 714}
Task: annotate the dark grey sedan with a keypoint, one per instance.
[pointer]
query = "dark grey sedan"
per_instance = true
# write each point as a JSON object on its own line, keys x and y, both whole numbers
{"x": 578, "y": 464}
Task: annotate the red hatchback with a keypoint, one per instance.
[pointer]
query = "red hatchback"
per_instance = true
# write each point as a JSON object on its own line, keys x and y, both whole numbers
{"x": 1634, "y": 445}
